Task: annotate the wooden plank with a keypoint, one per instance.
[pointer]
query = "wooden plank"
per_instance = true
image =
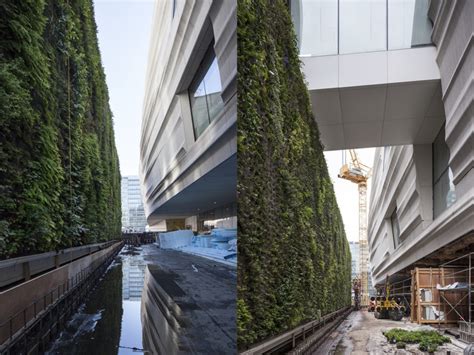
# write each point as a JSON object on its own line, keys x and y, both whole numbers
{"x": 417, "y": 297}
{"x": 443, "y": 284}
{"x": 411, "y": 294}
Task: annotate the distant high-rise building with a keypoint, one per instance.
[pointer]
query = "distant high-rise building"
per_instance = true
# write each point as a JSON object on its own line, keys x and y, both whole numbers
{"x": 133, "y": 270}
{"x": 355, "y": 268}
{"x": 354, "y": 246}
{"x": 133, "y": 214}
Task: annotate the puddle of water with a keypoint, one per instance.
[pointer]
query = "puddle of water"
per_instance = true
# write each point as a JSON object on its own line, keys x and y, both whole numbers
{"x": 109, "y": 321}
{"x": 132, "y": 337}
{"x": 343, "y": 349}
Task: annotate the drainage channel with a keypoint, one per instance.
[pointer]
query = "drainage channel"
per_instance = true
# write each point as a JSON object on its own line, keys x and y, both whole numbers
{"x": 303, "y": 339}
{"x": 108, "y": 321}
{"x": 105, "y": 314}
{"x": 50, "y": 313}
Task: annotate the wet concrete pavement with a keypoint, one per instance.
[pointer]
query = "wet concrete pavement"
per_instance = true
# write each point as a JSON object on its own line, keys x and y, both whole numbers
{"x": 201, "y": 298}
{"x": 108, "y": 322}
{"x": 202, "y": 307}
{"x": 361, "y": 333}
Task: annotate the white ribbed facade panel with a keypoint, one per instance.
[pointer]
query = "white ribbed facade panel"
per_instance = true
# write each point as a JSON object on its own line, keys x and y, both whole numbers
{"x": 399, "y": 76}
{"x": 423, "y": 195}
{"x": 188, "y": 145}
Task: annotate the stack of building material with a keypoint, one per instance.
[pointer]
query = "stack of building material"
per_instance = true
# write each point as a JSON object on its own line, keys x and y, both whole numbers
{"x": 176, "y": 239}
{"x": 222, "y": 237}
{"x": 434, "y": 300}
{"x": 466, "y": 331}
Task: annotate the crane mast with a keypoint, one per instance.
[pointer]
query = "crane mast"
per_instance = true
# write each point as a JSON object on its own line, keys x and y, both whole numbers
{"x": 359, "y": 173}
{"x": 363, "y": 247}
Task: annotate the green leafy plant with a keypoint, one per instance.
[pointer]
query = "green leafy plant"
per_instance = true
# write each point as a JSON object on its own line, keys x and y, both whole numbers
{"x": 401, "y": 345}
{"x": 428, "y": 340}
{"x": 294, "y": 258}
{"x": 59, "y": 170}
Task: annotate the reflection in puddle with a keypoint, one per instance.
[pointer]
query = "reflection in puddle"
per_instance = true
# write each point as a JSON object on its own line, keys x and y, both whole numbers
{"x": 109, "y": 321}
{"x": 80, "y": 325}
{"x": 133, "y": 269}
{"x": 160, "y": 315}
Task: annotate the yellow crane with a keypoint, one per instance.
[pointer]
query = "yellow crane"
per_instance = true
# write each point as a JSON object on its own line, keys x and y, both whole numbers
{"x": 359, "y": 173}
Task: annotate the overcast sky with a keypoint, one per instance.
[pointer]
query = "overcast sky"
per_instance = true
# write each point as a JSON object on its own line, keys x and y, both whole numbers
{"x": 124, "y": 35}
{"x": 347, "y": 193}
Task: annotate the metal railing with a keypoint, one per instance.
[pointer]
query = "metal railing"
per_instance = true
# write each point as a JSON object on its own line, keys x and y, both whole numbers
{"x": 21, "y": 320}
{"x": 296, "y": 335}
{"x": 13, "y": 271}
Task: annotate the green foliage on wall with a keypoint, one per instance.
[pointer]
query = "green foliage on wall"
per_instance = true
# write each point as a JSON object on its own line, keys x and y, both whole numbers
{"x": 59, "y": 170}
{"x": 294, "y": 259}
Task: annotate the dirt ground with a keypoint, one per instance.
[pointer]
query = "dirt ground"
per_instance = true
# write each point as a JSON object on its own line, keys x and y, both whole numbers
{"x": 361, "y": 333}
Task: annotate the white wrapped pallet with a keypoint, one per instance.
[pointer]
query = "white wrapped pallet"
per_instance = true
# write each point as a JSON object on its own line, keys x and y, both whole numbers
{"x": 176, "y": 239}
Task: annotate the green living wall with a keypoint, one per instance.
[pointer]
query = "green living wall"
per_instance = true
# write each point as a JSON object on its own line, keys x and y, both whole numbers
{"x": 294, "y": 259}
{"x": 59, "y": 170}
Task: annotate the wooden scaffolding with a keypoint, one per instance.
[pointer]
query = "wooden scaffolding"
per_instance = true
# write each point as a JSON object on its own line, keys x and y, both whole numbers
{"x": 444, "y": 295}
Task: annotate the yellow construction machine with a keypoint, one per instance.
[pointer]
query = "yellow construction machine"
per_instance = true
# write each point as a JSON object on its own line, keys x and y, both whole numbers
{"x": 387, "y": 307}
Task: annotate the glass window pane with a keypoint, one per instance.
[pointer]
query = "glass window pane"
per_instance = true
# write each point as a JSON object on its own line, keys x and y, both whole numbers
{"x": 315, "y": 23}
{"x": 440, "y": 156}
{"x": 213, "y": 91}
{"x": 205, "y": 98}
{"x": 362, "y": 26}
{"x": 451, "y": 195}
{"x": 408, "y": 23}
{"x": 199, "y": 109}
{"x": 395, "y": 229}
{"x": 440, "y": 190}
{"x": 444, "y": 194}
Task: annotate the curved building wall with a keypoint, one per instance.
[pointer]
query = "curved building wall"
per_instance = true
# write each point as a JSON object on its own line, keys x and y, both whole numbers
{"x": 404, "y": 225}
{"x": 453, "y": 34}
{"x": 187, "y": 168}
{"x": 422, "y": 199}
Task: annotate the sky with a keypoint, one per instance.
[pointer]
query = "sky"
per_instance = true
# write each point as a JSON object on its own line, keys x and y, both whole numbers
{"x": 347, "y": 193}
{"x": 124, "y": 29}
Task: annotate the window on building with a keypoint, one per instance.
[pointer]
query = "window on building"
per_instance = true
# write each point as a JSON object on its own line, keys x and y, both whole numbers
{"x": 173, "y": 6}
{"x": 362, "y": 26}
{"x": 444, "y": 194}
{"x": 408, "y": 23}
{"x": 328, "y": 27}
{"x": 395, "y": 229}
{"x": 316, "y": 26}
{"x": 205, "y": 93}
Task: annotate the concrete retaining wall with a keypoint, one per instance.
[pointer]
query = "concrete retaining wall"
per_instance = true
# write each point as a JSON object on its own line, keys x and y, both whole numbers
{"x": 25, "y": 267}
{"x": 22, "y": 303}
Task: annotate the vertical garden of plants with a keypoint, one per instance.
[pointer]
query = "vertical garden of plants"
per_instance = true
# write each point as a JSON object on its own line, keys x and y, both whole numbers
{"x": 294, "y": 259}
{"x": 59, "y": 170}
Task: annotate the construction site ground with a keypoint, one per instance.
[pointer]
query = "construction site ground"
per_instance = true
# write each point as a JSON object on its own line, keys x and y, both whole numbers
{"x": 361, "y": 333}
